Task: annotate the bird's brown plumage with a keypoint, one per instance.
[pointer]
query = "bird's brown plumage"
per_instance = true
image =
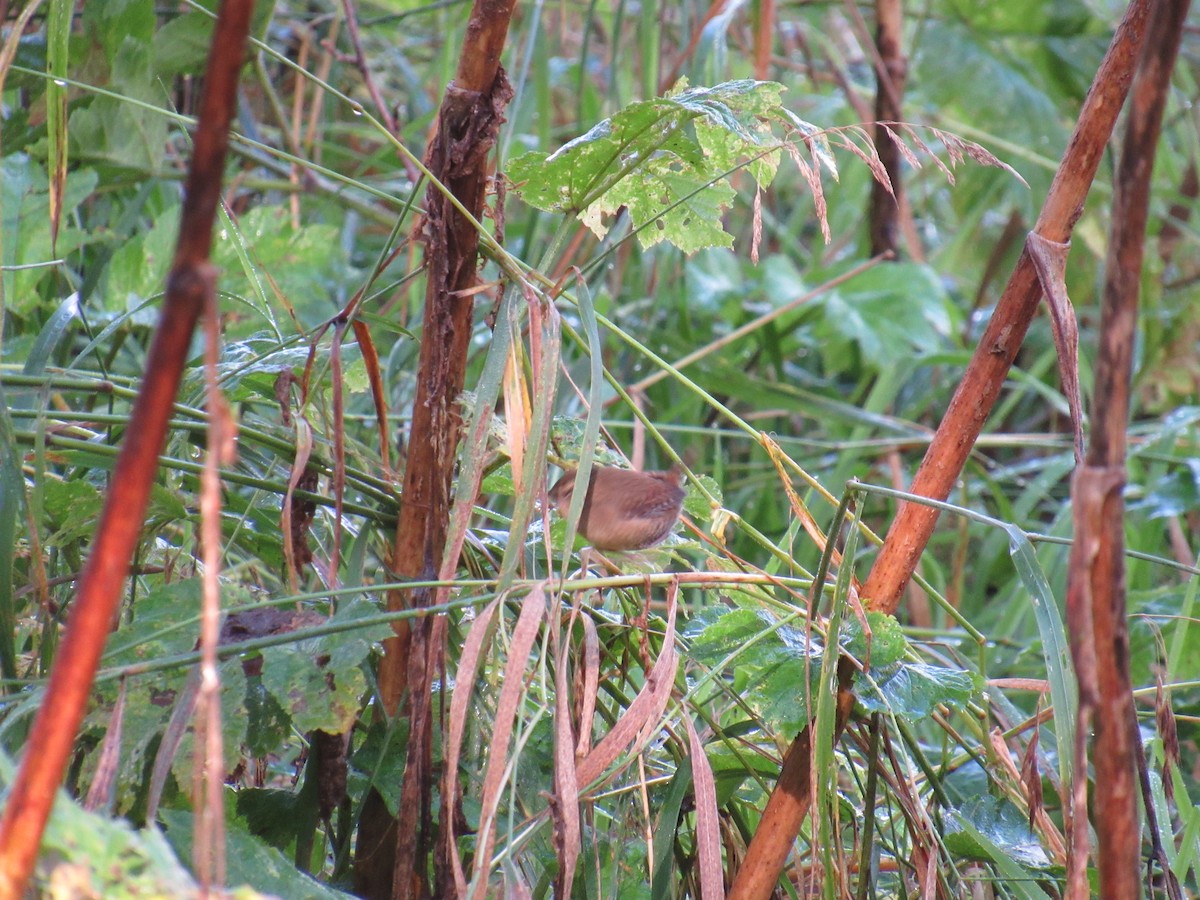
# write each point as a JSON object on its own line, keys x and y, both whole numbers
{"x": 623, "y": 509}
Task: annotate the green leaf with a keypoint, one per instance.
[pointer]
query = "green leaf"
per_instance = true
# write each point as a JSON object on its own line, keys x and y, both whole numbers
{"x": 248, "y": 860}
{"x": 51, "y": 335}
{"x": 12, "y": 501}
{"x": 137, "y": 270}
{"x": 312, "y": 697}
{"x": 113, "y": 21}
{"x": 267, "y": 724}
{"x": 499, "y": 481}
{"x": 1175, "y": 493}
{"x": 381, "y": 760}
{"x": 272, "y": 814}
{"x": 165, "y": 622}
{"x": 679, "y": 206}
{"x": 58, "y": 31}
{"x": 1055, "y": 647}
{"x": 108, "y": 857}
{"x": 888, "y": 313}
{"x": 305, "y": 265}
{"x": 912, "y": 690}
{"x": 696, "y": 505}
{"x": 731, "y": 770}
{"x": 665, "y": 161}
{"x": 986, "y": 826}
{"x": 668, "y": 821}
{"x": 233, "y": 723}
{"x": 182, "y": 44}
{"x": 887, "y": 644}
{"x": 319, "y": 681}
{"x": 149, "y": 701}
{"x": 771, "y": 662}
{"x": 72, "y": 508}
{"x": 24, "y": 234}
{"x": 769, "y": 665}
{"x": 127, "y": 131}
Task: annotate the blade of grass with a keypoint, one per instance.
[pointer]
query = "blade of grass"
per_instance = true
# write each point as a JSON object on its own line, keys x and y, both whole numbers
{"x": 12, "y": 483}
{"x": 1055, "y": 649}
{"x": 58, "y": 33}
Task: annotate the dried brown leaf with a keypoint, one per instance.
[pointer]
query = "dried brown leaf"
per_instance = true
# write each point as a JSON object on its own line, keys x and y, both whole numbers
{"x": 529, "y": 622}
{"x": 464, "y": 684}
{"x": 591, "y": 685}
{"x": 370, "y": 356}
{"x": 1031, "y": 777}
{"x": 564, "y": 804}
{"x": 517, "y": 413}
{"x": 295, "y": 517}
{"x": 1050, "y": 261}
{"x": 708, "y": 832}
{"x": 1164, "y": 718}
{"x": 104, "y": 781}
{"x": 642, "y": 715}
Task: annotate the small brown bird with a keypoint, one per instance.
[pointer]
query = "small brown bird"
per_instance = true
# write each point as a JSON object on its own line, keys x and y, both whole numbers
{"x": 624, "y": 509}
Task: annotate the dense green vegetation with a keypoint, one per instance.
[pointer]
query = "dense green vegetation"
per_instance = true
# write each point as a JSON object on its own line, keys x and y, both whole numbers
{"x": 323, "y": 203}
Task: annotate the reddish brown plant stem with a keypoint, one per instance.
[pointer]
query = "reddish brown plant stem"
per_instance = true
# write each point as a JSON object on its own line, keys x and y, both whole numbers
{"x": 977, "y": 392}
{"x": 968, "y": 410}
{"x": 891, "y": 73}
{"x": 28, "y": 805}
{"x": 764, "y": 35}
{"x": 1097, "y": 575}
{"x": 468, "y": 123}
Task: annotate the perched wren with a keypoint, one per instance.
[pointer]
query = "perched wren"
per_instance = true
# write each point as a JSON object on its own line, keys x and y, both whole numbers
{"x": 624, "y": 509}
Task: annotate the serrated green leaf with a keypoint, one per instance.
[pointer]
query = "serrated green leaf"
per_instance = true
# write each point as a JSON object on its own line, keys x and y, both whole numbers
{"x": 696, "y": 505}
{"x": 680, "y": 206}
{"x": 233, "y": 722}
{"x": 182, "y": 44}
{"x": 318, "y": 681}
{"x": 913, "y": 690}
{"x": 149, "y": 703}
{"x": 164, "y": 622}
{"x": 111, "y": 22}
{"x": 666, "y": 161}
{"x": 313, "y": 697}
{"x": 121, "y": 131}
{"x": 109, "y": 856}
{"x": 771, "y": 663}
{"x": 716, "y": 633}
{"x": 888, "y": 643}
